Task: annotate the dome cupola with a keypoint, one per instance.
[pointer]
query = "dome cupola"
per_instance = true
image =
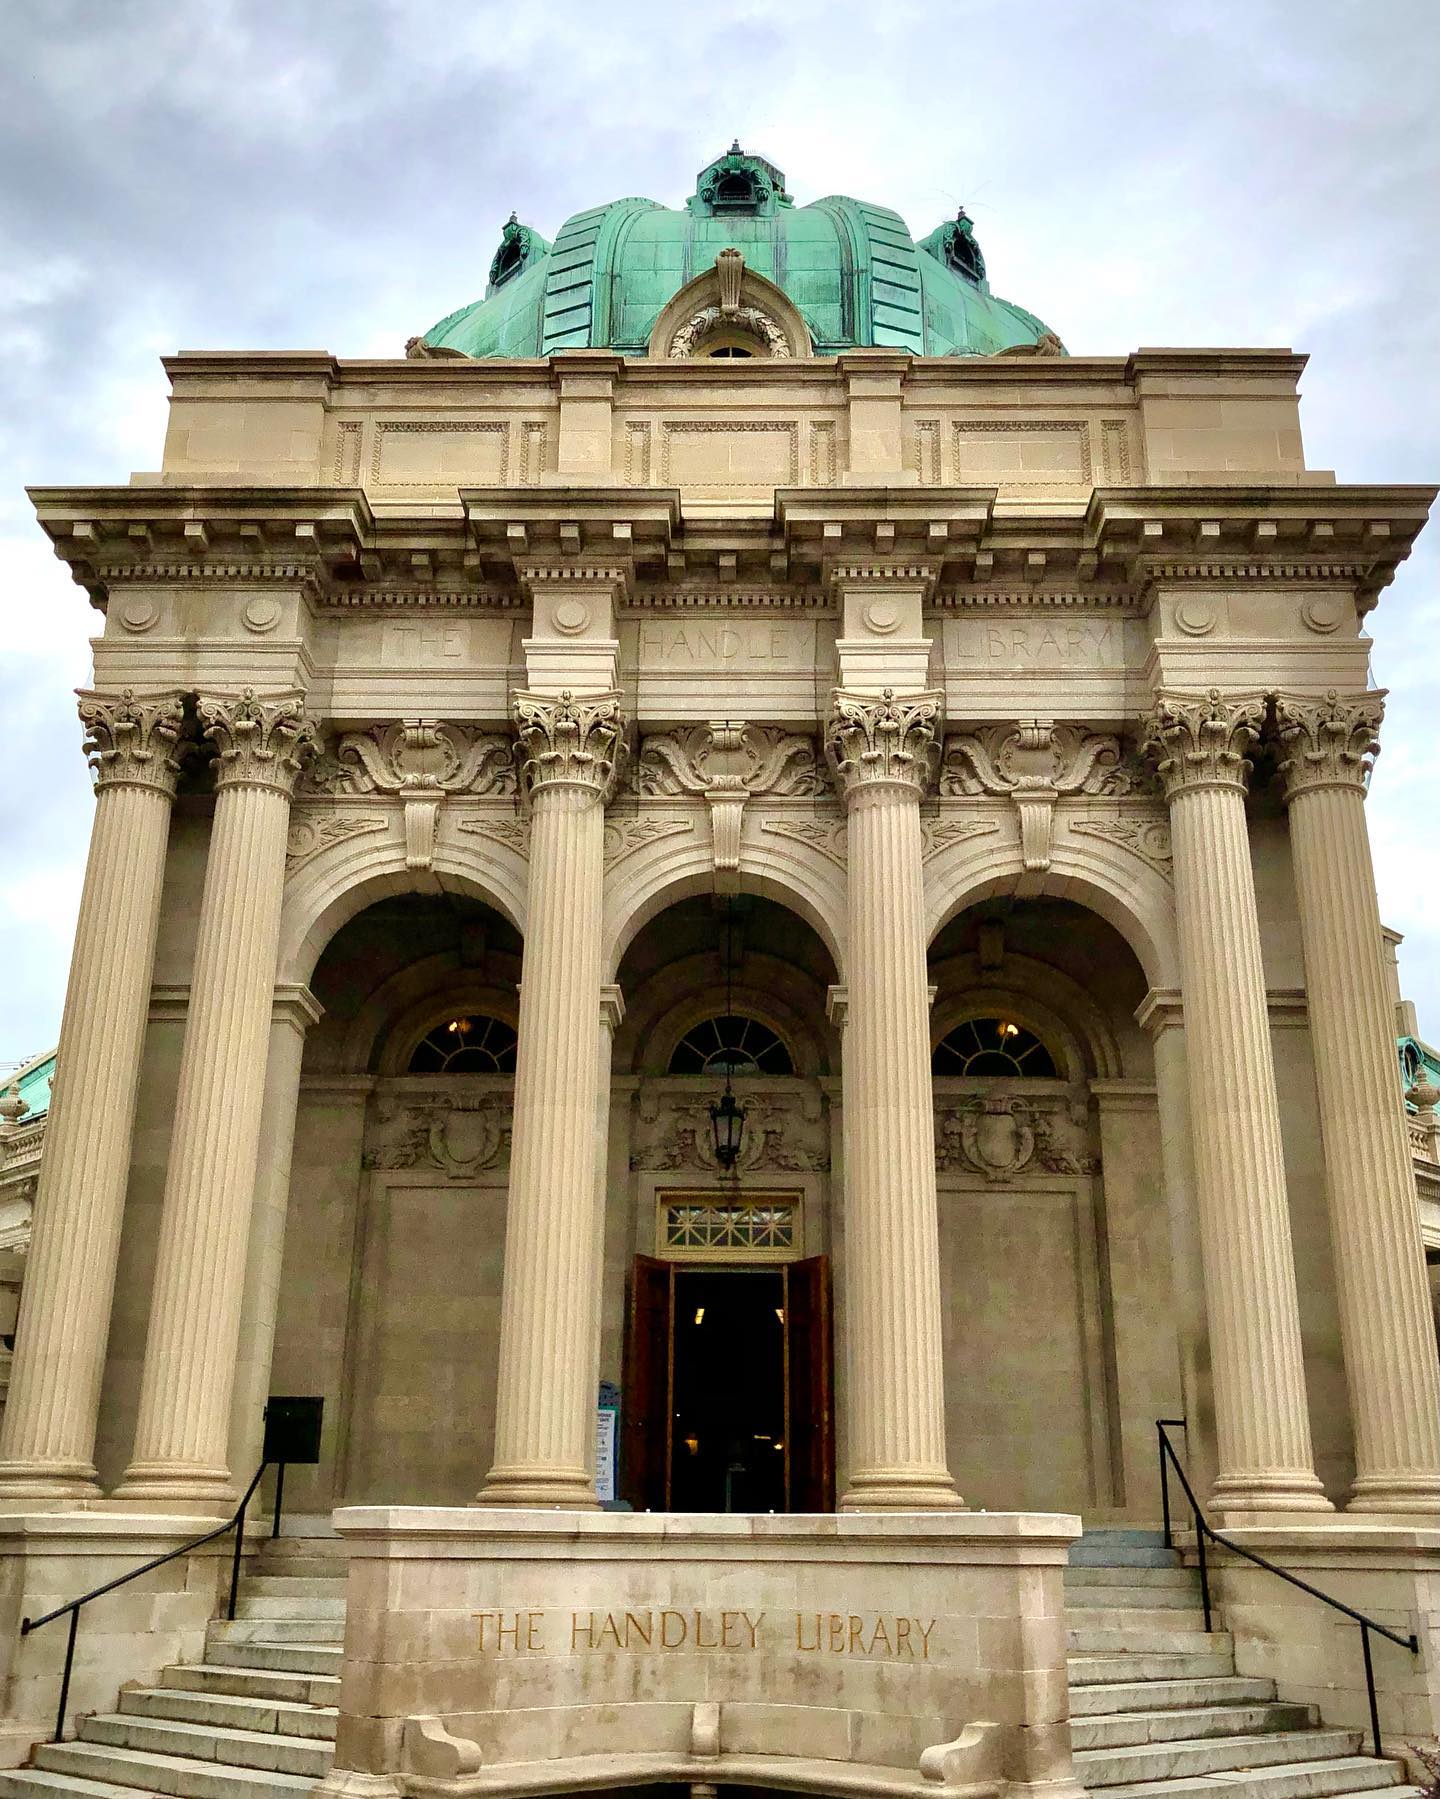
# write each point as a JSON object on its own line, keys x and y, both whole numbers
{"x": 836, "y": 274}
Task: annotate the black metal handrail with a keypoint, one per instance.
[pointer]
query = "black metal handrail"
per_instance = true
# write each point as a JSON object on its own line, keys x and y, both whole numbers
{"x": 1204, "y": 1529}
{"x": 74, "y": 1606}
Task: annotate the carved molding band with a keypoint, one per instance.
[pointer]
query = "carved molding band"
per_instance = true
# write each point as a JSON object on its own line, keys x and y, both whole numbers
{"x": 1203, "y": 740}
{"x": 1328, "y": 743}
{"x": 133, "y": 743}
{"x": 569, "y": 742}
{"x": 888, "y": 741}
{"x": 258, "y": 743}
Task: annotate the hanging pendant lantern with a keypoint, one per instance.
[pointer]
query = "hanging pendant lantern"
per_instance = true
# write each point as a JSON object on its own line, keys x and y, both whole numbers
{"x": 727, "y": 1115}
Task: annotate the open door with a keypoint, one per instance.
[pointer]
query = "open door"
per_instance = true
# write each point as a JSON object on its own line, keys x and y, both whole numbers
{"x": 810, "y": 1386}
{"x": 645, "y": 1394}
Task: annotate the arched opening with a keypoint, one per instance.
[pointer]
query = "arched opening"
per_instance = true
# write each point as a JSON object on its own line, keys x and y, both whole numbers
{"x": 1055, "y": 1240}
{"x": 394, "y": 1242}
{"x": 725, "y": 1364}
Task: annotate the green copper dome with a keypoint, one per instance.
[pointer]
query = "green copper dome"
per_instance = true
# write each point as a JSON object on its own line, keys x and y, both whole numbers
{"x": 851, "y": 269}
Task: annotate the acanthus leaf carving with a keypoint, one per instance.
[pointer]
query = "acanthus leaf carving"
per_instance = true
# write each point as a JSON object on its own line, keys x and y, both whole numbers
{"x": 940, "y": 833}
{"x": 784, "y": 1133}
{"x": 133, "y": 742}
{"x": 728, "y": 762}
{"x": 1203, "y": 740}
{"x": 500, "y": 827}
{"x": 1001, "y": 1136}
{"x": 460, "y": 1134}
{"x": 311, "y": 832}
{"x": 1329, "y": 742}
{"x": 570, "y": 741}
{"x": 622, "y": 835}
{"x": 417, "y": 756}
{"x": 258, "y": 742}
{"x": 1147, "y": 837}
{"x": 1032, "y": 763}
{"x": 828, "y": 835}
{"x": 889, "y": 740}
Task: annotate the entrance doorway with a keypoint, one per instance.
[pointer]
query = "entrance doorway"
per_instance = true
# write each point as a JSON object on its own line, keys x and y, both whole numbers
{"x": 726, "y": 1404}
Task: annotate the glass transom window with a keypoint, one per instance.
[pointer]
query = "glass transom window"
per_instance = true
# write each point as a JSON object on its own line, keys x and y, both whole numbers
{"x": 989, "y": 1046}
{"x": 470, "y": 1043}
{"x": 698, "y": 1226}
{"x": 730, "y": 1044}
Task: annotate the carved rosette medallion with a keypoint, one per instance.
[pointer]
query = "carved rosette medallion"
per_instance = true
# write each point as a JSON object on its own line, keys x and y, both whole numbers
{"x": 1328, "y": 743}
{"x": 1203, "y": 740}
{"x": 258, "y": 743}
{"x": 886, "y": 742}
{"x": 569, "y": 742}
{"x": 133, "y": 743}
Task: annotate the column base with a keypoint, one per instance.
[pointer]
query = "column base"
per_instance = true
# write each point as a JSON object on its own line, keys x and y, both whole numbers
{"x": 902, "y": 1490}
{"x": 529, "y": 1489}
{"x": 172, "y": 1484}
{"x": 72, "y": 1482}
{"x": 1412, "y": 1496}
{"x": 1245, "y": 1498}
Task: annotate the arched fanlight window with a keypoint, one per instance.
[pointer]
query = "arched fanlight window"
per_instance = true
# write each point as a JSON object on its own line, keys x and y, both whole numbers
{"x": 731, "y": 1044}
{"x": 992, "y": 1046}
{"x": 471, "y": 1043}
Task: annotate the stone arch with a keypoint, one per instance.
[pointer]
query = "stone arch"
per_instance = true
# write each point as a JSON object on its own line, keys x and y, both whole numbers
{"x": 795, "y": 875}
{"x": 339, "y": 881}
{"x": 397, "y": 1013}
{"x": 771, "y": 992}
{"x": 1124, "y": 889}
{"x": 715, "y": 297}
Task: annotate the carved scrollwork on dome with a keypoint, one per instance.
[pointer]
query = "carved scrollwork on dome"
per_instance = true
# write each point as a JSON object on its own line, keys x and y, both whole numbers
{"x": 689, "y": 340}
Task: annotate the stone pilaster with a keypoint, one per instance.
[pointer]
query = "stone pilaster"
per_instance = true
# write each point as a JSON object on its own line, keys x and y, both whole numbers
{"x": 183, "y": 1432}
{"x": 49, "y": 1433}
{"x": 1386, "y": 1328}
{"x": 545, "y": 1398}
{"x": 1201, "y": 745}
{"x": 883, "y": 755}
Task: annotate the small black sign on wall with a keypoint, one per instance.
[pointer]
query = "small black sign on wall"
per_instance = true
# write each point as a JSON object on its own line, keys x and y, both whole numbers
{"x": 292, "y": 1429}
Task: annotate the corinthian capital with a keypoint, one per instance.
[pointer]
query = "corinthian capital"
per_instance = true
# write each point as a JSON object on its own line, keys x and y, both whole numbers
{"x": 569, "y": 742}
{"x": 130, "y": 742}
{"x": 1328, "y": 743}
{"x": 870, "y": 742}
{"x": 1203, "y": 740}
{"x": 258, "y": 743}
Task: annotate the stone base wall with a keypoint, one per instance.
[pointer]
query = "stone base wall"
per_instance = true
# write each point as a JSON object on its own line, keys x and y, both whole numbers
{"x": 509, "y": 1652}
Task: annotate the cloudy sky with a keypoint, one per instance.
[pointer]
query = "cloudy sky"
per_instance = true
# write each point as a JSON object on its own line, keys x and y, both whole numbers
{"x": 332, "y": 174}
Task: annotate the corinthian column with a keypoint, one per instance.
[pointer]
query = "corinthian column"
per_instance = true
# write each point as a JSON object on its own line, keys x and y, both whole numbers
{"x": 549, "y": 1311}
{"x": 1385, "y": 1321}
{"x": 883, "y": 755}
{"x": 1262, "y": 1428}
{"x": 182, "y": 1436}
{"x": 49, "y": 1433}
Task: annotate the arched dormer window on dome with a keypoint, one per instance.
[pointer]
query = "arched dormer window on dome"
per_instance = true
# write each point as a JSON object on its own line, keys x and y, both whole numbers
{"x": 992, "y": 1046}
{"x": 730, "y": 1043}
{"x": 730, "y": 311}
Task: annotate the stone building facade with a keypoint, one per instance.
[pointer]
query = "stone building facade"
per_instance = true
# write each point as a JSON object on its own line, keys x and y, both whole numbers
{"x": 684, "y": 695}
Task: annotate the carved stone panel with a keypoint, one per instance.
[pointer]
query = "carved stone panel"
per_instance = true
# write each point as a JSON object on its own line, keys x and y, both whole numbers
{"x": 1004, "y": 1136}
{"x": 461, "y": 1134}
{"x": 786, "y": 1131}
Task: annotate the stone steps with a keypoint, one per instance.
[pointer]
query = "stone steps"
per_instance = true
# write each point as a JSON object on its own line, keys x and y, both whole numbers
{"x": 1117, "y": 1638}
{"x": 286, "y": 1658}
{"x": 1126, "y": 1697}
{"x": 1189, "y": 1618}
{"x": 230, "y": 1711}
{"x": 1329, "y": 1779}
{"x": 277, "y": 1630}
{"x": 1122, "y": 1730}
{"x": 1090, "y": 1670}
{"x": 171, "y": 1776}
{"x": 254, "y": 1683}
{"x": 1138, "y": 1763}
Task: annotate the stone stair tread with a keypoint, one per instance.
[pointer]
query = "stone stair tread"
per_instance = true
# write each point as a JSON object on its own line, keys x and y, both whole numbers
{"x": 17, "y": 1783}
{"x": 276, "y": 1685}
{"x": 172, "y": 1776}
{"x": 1098, "y": 1669}
{"x": 1133, "y": 1697}
{"x": 220, "y": 1745}
{"x": 284, "y": 1658}
{"x": 182, "y": 1705}
{"x": 1332, "y": 1777}
{"x": 1132, "y": 1729}
{"x": 1213, "y": 1755}
{"x": 1146, "y": 1640}
{"x": 1188, "y": 1618}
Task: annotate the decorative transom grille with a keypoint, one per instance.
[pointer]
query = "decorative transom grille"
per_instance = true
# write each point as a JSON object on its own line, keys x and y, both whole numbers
{"x": 992, "y": 1046}
{"x": 730, "y": 1044}
{"x": 755, "y": 1229}
{"x": 474, "y": 1043}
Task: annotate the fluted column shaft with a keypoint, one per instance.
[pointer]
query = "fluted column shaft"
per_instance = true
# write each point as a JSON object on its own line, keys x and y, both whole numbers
{"x": 48, "y": 1442}
{"x": 1262, "y": 1426}
{"x": 183, "y": 1431}
{"x": 549, "y": 1313}
{"x": 882, "y": 753}
{"x": 1385, "y": 1321}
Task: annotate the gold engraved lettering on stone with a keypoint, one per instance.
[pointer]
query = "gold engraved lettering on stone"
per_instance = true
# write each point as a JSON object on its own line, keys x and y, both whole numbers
{"x": 873, "y": 1636}
{"x": 519, "y": 1633}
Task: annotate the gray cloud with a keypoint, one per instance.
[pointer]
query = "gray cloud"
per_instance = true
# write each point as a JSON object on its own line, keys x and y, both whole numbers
{"x": 334, "y": 175}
